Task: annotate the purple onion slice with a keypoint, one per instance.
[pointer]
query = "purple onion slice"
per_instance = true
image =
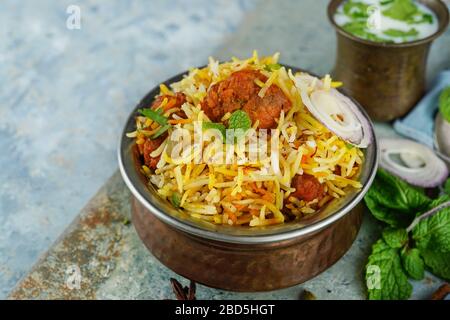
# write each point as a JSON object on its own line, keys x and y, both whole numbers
{"x": 335, "y": 111}
{"x": 416, "y": 163}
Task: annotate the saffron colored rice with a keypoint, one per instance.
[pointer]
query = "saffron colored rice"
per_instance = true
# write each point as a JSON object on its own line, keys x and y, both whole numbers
{"x": 256, "y": 194}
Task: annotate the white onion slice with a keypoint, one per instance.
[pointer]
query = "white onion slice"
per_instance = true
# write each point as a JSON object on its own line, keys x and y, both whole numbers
{"x": 335, "y": 111}
{"x": 412, "y": 160}
{"x": 421, "y": 166}
{"x": 307, "y": 80}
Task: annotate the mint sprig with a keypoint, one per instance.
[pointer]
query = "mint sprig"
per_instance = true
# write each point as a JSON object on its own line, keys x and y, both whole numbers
{"x": 417, "y": 236}
{"x": 215, "y": 126}
{"x": 240, "y": 122}
{"x": 395, "y": 238}
{"x": 437, "y": 262}
{"x": 413, "y": 263}
{"x": 444, "y": 104}
{"x": 400, "y": 33}
{"x": 394, "y": 201}
{"x": 239, "y": 119}
{"x": 356, "y": 10}
{"x": 447, "y": 186}
{"x": 393, "y": 282}
{"x": 408, "y": 11}
{"x": 175, "y": 199}
{"x": 401, "y": 10}
{"x": 155, "y": 115}
{"x": 432, "y": 229}
{"x": 272, "y": 67}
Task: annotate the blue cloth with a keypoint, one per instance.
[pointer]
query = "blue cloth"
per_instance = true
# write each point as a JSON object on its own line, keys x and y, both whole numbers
{"x": 419, "y": 123}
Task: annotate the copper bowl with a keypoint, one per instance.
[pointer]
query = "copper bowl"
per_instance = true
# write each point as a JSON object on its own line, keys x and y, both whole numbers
{"x": 240, "y": 258}
{"x": 386, "y": 78}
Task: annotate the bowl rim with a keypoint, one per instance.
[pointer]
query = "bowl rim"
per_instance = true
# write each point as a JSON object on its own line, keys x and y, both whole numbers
{"x": 242, "y": 239}
{"x": 442, "y": 27}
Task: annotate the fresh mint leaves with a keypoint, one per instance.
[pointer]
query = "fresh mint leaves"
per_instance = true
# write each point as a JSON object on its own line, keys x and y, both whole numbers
{"x": 447, "y": 186}
{"x": 413, "y": 263}
{"x": 400, "y": 33}
{"x": 444, "y": 108}
{"x": 393, "y": 282}
{"x": 393, "y": 201}
{"x": 385, "y": 2}
{"x": 155, "y": 115}
{"x": 434, "y": 232}
{"x": 417, "y": 237}
{"x": 175, "y": 199}
{"x": 239, "y": 120}
{"x": 356, "y": 10}
{"x": 359, "y": 28}
{"x": 401, "y": 10}
{"x": 437, "y": 262}
{"x": 408, "y": 11}
{"x": 158, "y": 117}
{"x": 359, "y": 22}
{"x": 272, "y": 66}
{"x": 217, "y": 126}
{"x": 395, "y": 238}
{"x": 161, "y": 131}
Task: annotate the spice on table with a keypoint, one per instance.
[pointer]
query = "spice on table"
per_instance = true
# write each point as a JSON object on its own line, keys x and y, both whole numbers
{"x": 307, "y": 295}
{"x": 442, "y": 292}
{"x": 183, "y": 293}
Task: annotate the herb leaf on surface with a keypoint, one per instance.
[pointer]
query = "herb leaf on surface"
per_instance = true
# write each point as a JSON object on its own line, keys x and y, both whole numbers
{"x": 393, "y": 282}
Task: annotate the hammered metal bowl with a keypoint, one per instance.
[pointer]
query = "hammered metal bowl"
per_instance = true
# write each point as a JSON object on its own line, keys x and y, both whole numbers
{"x": 240, "y": 258}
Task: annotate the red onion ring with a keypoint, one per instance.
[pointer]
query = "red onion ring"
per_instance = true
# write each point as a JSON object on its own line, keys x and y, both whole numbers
{"x": 335, "y": 111}
{"x": 425, "y": 168}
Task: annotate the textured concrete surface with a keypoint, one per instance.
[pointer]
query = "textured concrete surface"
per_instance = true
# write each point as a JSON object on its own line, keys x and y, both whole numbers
{"x": 66, "y": 93}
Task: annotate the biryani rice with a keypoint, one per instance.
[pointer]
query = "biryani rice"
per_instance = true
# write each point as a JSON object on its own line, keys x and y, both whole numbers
{"x": 256, "y": 194}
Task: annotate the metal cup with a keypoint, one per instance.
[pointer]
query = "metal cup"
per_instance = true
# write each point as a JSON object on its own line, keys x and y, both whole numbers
{"x": 386, "y": 78}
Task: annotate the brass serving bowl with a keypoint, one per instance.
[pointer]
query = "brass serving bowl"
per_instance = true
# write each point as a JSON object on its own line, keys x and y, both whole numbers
{"x": 240, "y": 258}
{"x": 386, "y": 78}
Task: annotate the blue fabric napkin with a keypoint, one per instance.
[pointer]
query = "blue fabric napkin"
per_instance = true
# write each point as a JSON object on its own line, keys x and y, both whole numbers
{"x": 419, "y": 123}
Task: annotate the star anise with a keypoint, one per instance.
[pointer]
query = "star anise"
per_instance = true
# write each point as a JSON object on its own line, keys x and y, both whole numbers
{"x": 183, "y": 293}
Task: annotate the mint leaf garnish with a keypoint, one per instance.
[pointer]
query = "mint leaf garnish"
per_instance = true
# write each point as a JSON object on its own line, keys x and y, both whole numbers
{"x": 413, "y": 263}
{"x": 437, "y": 262}
{"x": 394, "y": 201}
{"x": 395, "y": 238}
{"x": 160, "y": 131}
{"x": 401, "y": 10}
{"x": 447, "y": 186}
{"x": 393, "y": 282}
{"x": 359, "y": 29}
{"x": 356, "y": 10}
{"x": 154, "y": 115}
{"x": 272, "y": 66}
{"x": 444, "y": 103}
{"x": 400, "y": 33}
{"x": 433, "y": 233}
{"x": 217, "y": 126}
{"x": 175, "y": 199}
{"x": 240, "y": 122}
